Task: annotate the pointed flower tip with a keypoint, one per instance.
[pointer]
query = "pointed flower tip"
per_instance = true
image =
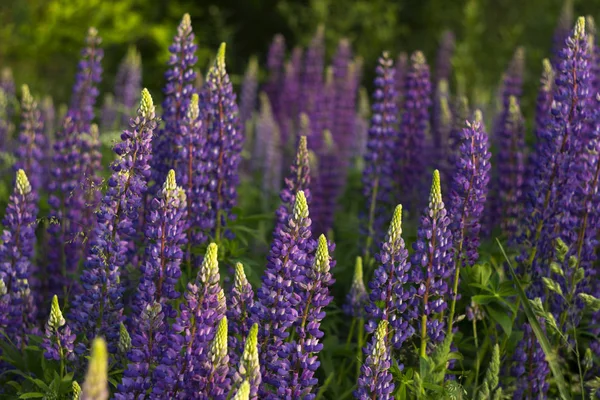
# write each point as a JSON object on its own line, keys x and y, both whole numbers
{"x": 395, "y": 230}
{"x": 146, "y": 104}
{"x": 210, "y": 264}
{"x": 328, "y": 140}
{"x": 92, "y": 31}
{"x": 436, "y": 188}
{"x": 253, "y": 334}
{"x": 300, "y": 206}
{"x": 27, "y": 99}
{"x": 186, "y": 21}
{"x": 3, "y": 289}
{"x": 513, "y": 106}
{"x": 171, "y": 182}
{"x": 219, "y": 344}
{"x": 56, "y": 319}
{"x": 194, "y": 108}
{"x": 591, "y": 25}
{"x": 321, "y": 262}
{"x": 418, "y": 58}
{"x": 579, "y": 31}
{"x": 243, "y": 392}
{"x": 240, "y": 279}
{"x": 546, "y": 66}
{"x": 302, "y": 146}
{"x": 443, "y": 86}
{"x": 478, "y": 116}
{"x": 124, "y": 339}
{"x": 76, "y": 390}
{"x": 95, "y": 385}
{"x": 23, "y": 186}
{"x": 304, "y": 122}
{"x": 358, "y": 270}
{"x": 221, "y": 57}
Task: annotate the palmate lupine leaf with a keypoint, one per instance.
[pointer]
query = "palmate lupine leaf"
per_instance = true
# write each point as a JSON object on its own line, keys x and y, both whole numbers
{"x": 551, "y": 356}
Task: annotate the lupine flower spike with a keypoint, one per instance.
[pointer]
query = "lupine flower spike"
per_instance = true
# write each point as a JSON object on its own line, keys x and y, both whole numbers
{"x": 58, "y": 343}
{"x": 241, "y": 301}
{"x": 249, "y": 368}
{"x": 357, "y": 296}
{"x": 375, "y": 380}
{"x": 95, "y": 386}
{"x": 32, "y": 141}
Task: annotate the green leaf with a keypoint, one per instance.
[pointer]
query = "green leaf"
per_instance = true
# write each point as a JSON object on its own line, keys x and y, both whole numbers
{"x": 483, "y": 299}
{"x": 551, "y": 356}
{"x": 32, "y": 395}
{"x": 501, "y": 316}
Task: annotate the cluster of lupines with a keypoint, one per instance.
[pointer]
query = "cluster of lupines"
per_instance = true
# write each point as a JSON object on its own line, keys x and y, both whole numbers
{"x": 220, "y": 342}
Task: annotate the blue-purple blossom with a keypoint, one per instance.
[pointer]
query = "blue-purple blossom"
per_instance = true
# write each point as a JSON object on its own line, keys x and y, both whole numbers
{"x": 99, "y": 308}
{"x": 267, "y": 157}
{"x": 275, "y": 60}
{"x": 249, "y": 367}
{"x": 59, "y": 340}
{"x": 312, "y": 75}
{"x": 530, "y": 368}
{"x": 375, "y": 380}
{"x": 217, "y": 383}
{"x": 241, "y": 301}
{"x": 290, "y": 98}
{"x": 249, "y": 93}
{"x": 128, "y": 84}
{"x": 357, "y": 297}
{"x": 443, "y": 64}
{"x": 401, "y": 71}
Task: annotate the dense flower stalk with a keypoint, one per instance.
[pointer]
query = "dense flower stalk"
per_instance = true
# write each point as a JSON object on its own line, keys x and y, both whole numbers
{"x": 178, "y": 90}
{"x": 99, "y": 308}
{"x": 379, "y": 163}
{"x": 469, "y": 191}
{"x": 344, "y": 107}
{"x": 249, "y": 368}
{"x": 357, "y": 297}
{"x": 241, "y": 301}
{"x": 312, "y": 75}
{"x": 432, "y": 261}
{"x": 277, "y": 307}
{"x": 410, "y": 144}
{"x": 303, "y": 361}
{"x": 401, "y": 71}
{"x": 298, "y": 179}
{"x": 128, "y": 83}
{"x": 460, "y": 113}
{"x": 530, "y": 368}
{"x": 443, "y": 65}
{"x": 226, "y": 141}
{"x": 275, "y": 60}
{"x": 29, "y": 153}
{"x": 375, "y": 380}
{"x": 95, "y": 386}
{"x": 49, "y": 117}
{"x": 16, "y": 255}
{"x": 267, "y": 147}
{"x": 249, "y": 92}
{"x": 562, "y": 31}
{"x": 58, "y": 341}
{"x": 441, "y": 126}
{"x": 217, "y": 383}
{"x": 290, "y": 98}
{"x": 328, "y": 186}
{"x": 389, "y": 287}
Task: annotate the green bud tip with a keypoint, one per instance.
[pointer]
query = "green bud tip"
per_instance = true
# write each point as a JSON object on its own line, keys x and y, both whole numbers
{"x": 265, "y": 104}
{"x": 3, "y": 290}
{"x": 436, "y": 188}
{"x": 395, "y": 229}
{"x": 478, "y": 116}
{"x": 513, "y": 106}
{"x": 76, "y": 390}
{"x": 418, "y": 58}
{"x": 328, "y": 140}
{"x": 304, "y": 123}
{"x": 240, "y": 280}
{"x": 328, "y": 75}
{"x": 27, "y": 99}
{"x": 220, "y": 61}
{"x": 300, "y": 206}
{"x": 95, "y": 385}
{"x": 380, "y": 339}
{"x": 219, "y": 344}
{"x": 547, "y": 67}
{"x": 170, "y": 183}
{"x": 92, "y": 32}
{"x": 94, "y": 131}
{"x": 221, "y": 300}
{"x": 358, "y": 270}
{"x": 243, "y": 392}
{"x": 56, "y": 319}
{"x": 23, "y": 186}
{"x": 194, "y": 108}
{"x": 210, "y": 264}
{"x": 321, "y": 261}
{"x": 591, "y": 26}
{"x": 302, "y": 146}
{"x": 124, "y": 339}
{"x": 252, "y": 339}
{"x": 253, "y": 66}
{"x": 146, "y": 104}
{"x": 443, "y": 86}
{"x": 186, "y": 22}
{"x": 579, "y": 32}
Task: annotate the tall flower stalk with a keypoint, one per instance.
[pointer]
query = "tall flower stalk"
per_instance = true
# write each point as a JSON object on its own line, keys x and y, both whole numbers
{"x": 30, "y": 153}
{"x": 375, "y": 381}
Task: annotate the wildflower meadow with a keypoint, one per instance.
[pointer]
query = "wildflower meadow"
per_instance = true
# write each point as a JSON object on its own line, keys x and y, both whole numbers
{"x": 318, "y": 227}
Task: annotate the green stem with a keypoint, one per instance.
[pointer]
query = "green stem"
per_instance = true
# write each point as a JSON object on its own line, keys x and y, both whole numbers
{"x": 476, "y": 353}
{"x": 359, "y": 345}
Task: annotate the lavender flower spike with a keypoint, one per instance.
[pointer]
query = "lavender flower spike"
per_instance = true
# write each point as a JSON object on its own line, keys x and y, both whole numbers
{"x": 432, "y": 260}
{"x": 531, "y": 368}
{"x": 240, "y": 303}
{"x": 16, "y": 254}
{"x": 217, "y": 383}
{"x": 58, "y": 343}
{"x": 95, "y": 386}
{"x": 357, "y": 296}
{"x": 375, "y": 380}
{"x": 128, "y": 83}
{"x": 226, "y": 141}
{"x": 249, "y": 368}
{"x": 32, "y": 141}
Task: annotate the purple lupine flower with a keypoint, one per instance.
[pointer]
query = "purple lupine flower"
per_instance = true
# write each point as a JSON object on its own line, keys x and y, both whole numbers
{"x": 178, "y": 92}
{"x": 248, "y": 94}
{"x": 562, "y": 31}
{"x": 328, "y": 185}
{"x": 510, "y": 168}
{"x": 128, "y": 83}
{"x": 277, "y": 307}
{"x": 200, "y": 311}
{"x": 267, "y": 147}
{"x": 460, "y": 113}
{"x": 410, "y": 145}
{"x": 275, "y": 60}
{"x": 241, "y": 301}
{"x": 443, "y": 64}
{"x": 298, "y": 370}
{"x": 312, "y": 75}
{"x": 344, "y": 108}
{"x": 469, "y": 191}
{"x": 29, "y": 154}
{"x": 99, "y": 308}
{"x": 109, "y": 113}
{"x": 512, "y": 84}
{"x": 165, "y": 237}
{"x": 217, "y": 383}
{"x": 225, "y": 141}
{"x": 440, "y": 127}
{"x": 58, "y": 341}
{"x": 16, "y": 254}
{"x": 290, "y": 98}
{"x": 357, "y": 297}
{"x": 389, "y": 287}
{"x": 530, "y": 368}
{"x": 249, "y": 368}
{"x": 191, "y": 172}
{"x": 375, "y": 380}
{"x": 298, "y": 179}
{"x": 401, "y": 72}
{"x": 379, "y": 162}
{"x": 432, "y": 266}
{"x": 566, "y": 133}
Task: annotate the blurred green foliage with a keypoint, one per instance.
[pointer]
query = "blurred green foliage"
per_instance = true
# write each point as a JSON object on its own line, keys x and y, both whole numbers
{"x": 40, "y": 39}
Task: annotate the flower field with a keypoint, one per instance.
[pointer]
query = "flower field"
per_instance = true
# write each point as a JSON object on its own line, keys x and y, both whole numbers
{"x": 295, "y": 235}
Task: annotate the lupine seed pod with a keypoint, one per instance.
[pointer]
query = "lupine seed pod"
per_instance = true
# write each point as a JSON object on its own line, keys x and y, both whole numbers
{"x": 249, "y": 368}
{"x": 357, "y": 297}
{"x": 95, "y": 385}
{"x": 375, "y": 380}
